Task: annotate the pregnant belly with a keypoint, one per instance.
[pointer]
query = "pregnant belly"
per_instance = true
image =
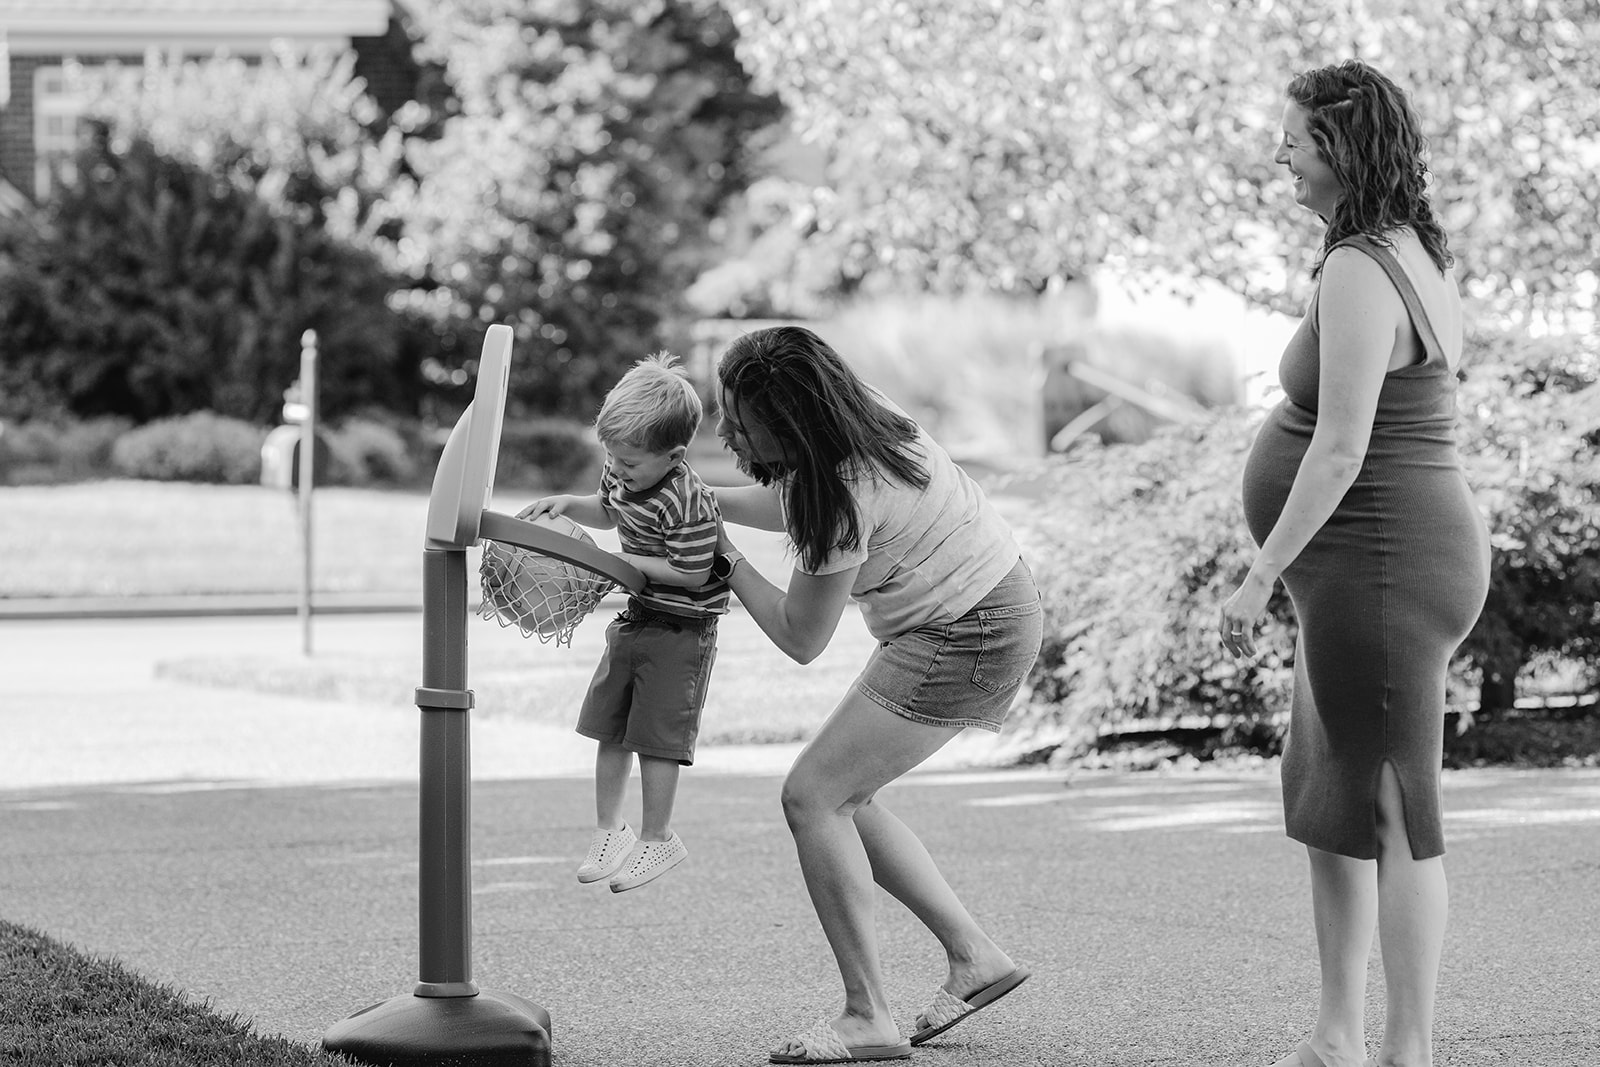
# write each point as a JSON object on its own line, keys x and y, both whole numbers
{"x": 1269, "y": 473}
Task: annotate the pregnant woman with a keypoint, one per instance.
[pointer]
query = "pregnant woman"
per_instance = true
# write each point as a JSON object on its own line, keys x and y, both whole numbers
{"x": 1354, "y": 493}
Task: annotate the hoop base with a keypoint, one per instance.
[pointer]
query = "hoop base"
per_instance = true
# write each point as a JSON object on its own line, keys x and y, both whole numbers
{"x": 487, "y": 1030}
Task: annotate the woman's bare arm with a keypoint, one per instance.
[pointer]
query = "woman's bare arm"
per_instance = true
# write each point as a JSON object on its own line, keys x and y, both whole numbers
{"x": 755, "y": 506}
{"x": 1359, "y": 313}
{"x": 800, "y": 620}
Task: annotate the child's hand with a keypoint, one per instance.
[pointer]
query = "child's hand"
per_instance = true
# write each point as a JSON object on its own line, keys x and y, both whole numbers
{"x": 550, "y": 505}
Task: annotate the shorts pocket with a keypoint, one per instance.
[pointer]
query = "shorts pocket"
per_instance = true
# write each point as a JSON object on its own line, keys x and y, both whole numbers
{"x": 1009, "y": 639}
{"x": 707, "y": 649}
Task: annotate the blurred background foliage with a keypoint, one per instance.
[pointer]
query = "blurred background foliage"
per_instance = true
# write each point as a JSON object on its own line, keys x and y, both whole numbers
{"x": 1138, "y": 545}
{"x": 570, "y": 191}
{"x": 1009, "y": 146}
{"x": 954, "y": 195}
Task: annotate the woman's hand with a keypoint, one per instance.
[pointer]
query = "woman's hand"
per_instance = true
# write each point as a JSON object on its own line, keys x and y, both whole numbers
{"x": 1243, "y": 611}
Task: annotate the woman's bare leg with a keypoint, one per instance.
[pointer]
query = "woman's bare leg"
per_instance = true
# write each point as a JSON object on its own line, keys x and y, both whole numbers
{"x": 861, "y": 748}
{"x": 1344, "y": 906}
{"x": 902, "y": 865}
{"x": 1413, "y": 904}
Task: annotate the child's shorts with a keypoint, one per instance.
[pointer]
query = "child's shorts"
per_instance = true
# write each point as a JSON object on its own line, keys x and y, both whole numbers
{"x": 966, "y": 672}
{"x": 649, "y": 689}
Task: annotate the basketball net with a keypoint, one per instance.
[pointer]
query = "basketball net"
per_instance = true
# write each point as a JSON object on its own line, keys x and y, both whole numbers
{"x": 541, "y": 596}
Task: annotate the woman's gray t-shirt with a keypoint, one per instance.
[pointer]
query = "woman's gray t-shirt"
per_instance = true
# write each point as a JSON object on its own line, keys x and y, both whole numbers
{"x": 928, "y": 555}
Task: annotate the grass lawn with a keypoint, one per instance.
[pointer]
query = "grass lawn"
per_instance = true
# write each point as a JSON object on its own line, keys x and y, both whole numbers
{"x": 130, "y": 538}
{"x": 64, "y": 1009}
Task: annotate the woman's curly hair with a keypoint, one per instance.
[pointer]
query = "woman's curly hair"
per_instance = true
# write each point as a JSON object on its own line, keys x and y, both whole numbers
{"x": 1365, "y": 129}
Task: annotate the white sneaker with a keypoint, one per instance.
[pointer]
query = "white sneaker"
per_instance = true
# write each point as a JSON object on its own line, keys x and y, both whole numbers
{"x": 607, "y": 851}
{"x": 648, "y": 861}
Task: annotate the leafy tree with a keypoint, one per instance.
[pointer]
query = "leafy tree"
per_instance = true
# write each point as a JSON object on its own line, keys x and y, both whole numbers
{"x": 570, "y": 193}
{"x": 1004, "y": 144}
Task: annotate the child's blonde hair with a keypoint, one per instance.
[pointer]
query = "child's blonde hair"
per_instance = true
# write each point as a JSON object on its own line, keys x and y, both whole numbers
{"x": 653, "y": 407}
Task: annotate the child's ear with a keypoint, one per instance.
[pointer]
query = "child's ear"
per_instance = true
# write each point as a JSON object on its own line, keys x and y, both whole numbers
{"x": 677, "y": 453}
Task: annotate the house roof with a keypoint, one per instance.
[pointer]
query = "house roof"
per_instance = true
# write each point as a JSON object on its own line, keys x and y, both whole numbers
{"x": 55, "y": 27}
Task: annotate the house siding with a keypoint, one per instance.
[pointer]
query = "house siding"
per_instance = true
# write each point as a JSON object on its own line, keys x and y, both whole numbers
{"x": 16, "y": 121}
{"x": 384, "y": 62}
{"x": 16, "y": 124}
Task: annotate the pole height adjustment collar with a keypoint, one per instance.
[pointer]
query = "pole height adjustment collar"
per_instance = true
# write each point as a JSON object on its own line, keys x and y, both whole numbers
{"x": 444, "y": 699}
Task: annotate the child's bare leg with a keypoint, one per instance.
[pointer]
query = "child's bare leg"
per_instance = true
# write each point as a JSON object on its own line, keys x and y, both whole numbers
{"x": 659, "y": 779}
{"x": 612, "y": 765}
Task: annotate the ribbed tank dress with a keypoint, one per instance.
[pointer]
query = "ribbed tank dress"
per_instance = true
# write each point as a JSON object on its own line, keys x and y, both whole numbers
{"x": 1384, "y": 593}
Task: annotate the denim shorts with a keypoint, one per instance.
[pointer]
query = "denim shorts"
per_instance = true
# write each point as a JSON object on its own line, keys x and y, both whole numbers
{"x": 650, "y": 686}
{"x": 966, "y": 672}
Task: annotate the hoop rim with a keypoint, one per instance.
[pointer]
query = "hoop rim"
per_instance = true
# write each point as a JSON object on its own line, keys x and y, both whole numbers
{"x": 525, "y": 533}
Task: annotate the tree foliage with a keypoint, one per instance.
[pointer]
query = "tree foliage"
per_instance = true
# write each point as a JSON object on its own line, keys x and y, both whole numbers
{"x": 1004, "y": 144}
{"x": 1137, "y": 546}
{"x": 1532, "y": 427}
{"x": 570, "y": 192}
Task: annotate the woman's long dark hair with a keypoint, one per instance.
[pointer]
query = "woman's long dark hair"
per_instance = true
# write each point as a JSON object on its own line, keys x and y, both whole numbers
{"x": 1366, "y": 130}
{"x": 831, "y": 426}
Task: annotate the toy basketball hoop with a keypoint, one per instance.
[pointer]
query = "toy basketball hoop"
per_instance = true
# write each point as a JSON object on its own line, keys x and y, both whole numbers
{"x": 446, "y": 1019}
{"x": 540, "y": 595}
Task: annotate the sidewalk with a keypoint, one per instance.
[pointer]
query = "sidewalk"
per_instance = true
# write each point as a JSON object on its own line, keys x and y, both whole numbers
{"x": 205, "y": 606}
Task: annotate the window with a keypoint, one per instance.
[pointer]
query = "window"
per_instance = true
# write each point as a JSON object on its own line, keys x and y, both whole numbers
{"x": 56, "y": 110}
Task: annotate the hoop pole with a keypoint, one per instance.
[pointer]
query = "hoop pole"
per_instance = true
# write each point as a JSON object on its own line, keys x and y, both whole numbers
{"x": 446, "y": 1021}
{"x": 444, "y": 870}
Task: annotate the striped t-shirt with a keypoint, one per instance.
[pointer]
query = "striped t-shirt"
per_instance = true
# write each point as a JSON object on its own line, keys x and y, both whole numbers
{"x": 676, "y": 519}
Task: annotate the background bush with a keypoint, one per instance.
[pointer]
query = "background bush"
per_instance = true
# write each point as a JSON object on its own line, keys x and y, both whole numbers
{"x": 65, "y": 450}
{"x": 156, "y": 290}
{"x": 1531, "y": 433}
{"x": 555, "y": 454}
{"x": 369, "y": 451}
{"x": 200, "y": 447}
{"x": 1137, "y": 546}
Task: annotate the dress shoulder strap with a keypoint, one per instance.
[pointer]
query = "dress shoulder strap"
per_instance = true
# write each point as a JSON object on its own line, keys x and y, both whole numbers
{"x": 1408, "y": 292}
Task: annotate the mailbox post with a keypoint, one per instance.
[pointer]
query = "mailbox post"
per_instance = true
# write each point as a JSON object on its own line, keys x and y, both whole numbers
{"x": 300, "y": 407}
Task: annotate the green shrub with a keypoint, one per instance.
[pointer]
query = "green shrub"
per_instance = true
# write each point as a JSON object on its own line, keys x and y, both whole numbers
{"x": 1531, "y": 441}
{"x": 50, "y": 451}
{"x": 28, "y": 453}
{"x": 201, "y": 447}
{"x": 554, "y": 454}
{"x": 1135, "y": 548}
{"x": 371, "y": 452}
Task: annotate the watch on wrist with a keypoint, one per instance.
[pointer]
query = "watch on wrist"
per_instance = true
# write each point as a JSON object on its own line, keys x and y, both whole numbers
{"x": 722, "y": 564}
